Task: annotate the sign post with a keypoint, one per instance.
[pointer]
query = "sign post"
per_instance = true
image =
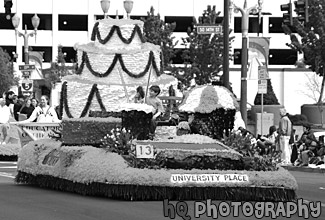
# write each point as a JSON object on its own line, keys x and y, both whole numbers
{"x": 263, "y": 76}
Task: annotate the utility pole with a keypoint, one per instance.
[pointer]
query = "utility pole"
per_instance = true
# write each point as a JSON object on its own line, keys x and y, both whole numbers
{"x": 226, "y": 43}
{"x": 245, "y": 11}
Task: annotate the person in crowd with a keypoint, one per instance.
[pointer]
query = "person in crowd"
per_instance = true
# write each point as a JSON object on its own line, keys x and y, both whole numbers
{"x": 285, "y": 132}
{"x": 18, "y": 105}
{"x": 9, "y": 98}
{"x": 34, "y": 102}
{"x": 27, "y": 109}
{"x": 11, "y": 105}
{"x": 154, "y": 101}
{"x": 4, "y": 119}
{"x": 43, "y": 113}
{"x": 307, "y": 146}
{"x": 268, "y": 144}
{"x": 139, "y": 96}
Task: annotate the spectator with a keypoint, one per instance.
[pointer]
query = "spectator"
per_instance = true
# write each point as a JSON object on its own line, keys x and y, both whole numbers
{"x": 34, "y": 102}
{"x": 139, "y": 96}
{"x": 285, "y": 132}
{"x": 9, "y": 98}
{"x": 307, "y": 145}
{"x": 17, "y": 106}
{"x": 26, "y": 110}
{"x": 4, "y": 119}
{"x": 268, "y": 144}
{"x": 156, "y": 103}
{"x": 43, "y": 112}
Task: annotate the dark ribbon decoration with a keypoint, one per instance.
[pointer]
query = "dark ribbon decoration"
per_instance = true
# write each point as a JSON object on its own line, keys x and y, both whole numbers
{"x": 64, "y": 100}
{"x": 118, "y": 57}
{"x": 95, "y": 33}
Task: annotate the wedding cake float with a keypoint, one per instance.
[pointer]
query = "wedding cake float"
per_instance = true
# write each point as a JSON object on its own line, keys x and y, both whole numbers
{"x": 100, "y": 156}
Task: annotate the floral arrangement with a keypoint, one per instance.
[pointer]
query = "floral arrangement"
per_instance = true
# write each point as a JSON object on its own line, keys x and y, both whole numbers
{"x": 245, "y": 143}
{"x": 183, "y": 125}
{"x": 119, "y": 141}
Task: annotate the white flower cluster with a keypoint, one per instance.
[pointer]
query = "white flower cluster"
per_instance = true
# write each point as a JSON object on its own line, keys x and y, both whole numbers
{"x": 206, "y": 99}
{"x": 191, "y": 138}
{"x": 183, "y": 125}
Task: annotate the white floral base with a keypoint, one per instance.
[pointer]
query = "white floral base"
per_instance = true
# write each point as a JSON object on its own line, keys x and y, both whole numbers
{"x": 87, "y": 164}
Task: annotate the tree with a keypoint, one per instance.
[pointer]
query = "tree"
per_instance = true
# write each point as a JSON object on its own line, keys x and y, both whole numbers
{"x": 58, "y": 68}
{"x": 203, "y": 55}
{"x": 158, "y": 32}
{"x": 269, "y": 98}
{"x": 312, "y": 40}
{"x": 7, "y": 79}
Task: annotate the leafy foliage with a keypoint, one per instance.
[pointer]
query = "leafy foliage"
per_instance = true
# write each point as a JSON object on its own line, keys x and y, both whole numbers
{"x": 204, "y": 54}
{"x": 158, "y": 32}
{"x": 312, "y": 39}
{"x": 58, "y": 68}
{"x": 246, "y": 145}
{"x": 6, "y": 72}
{"x": 269, "y": 98}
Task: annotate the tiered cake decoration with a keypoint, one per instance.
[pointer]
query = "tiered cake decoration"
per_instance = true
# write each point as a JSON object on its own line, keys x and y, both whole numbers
{"x": 110, "y": 68}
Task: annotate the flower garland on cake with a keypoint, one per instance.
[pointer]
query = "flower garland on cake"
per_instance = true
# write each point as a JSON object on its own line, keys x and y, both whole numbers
{"x": 64, "y": 101}
{"x": 118, "y": 57}
{"x": 95, "y": 33}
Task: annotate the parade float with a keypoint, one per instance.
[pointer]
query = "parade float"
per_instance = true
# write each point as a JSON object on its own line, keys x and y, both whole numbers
{"x": 110, "y": 154}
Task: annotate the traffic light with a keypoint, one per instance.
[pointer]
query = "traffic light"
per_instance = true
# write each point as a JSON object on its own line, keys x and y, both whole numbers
{"x": 287, "y": 17}
{"x": 8, "y": 6}
{"x": 301, "y": 8}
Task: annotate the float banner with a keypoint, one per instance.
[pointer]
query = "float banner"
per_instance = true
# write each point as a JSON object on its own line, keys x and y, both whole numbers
{"x": 35, "y": 131}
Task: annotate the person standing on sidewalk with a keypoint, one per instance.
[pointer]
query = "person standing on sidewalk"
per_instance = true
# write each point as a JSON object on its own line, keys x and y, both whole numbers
{"x": 285, "y": 131}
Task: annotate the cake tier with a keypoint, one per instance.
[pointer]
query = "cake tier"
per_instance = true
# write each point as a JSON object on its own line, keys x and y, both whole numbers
{"x": 87, "y": 131}
{"x": 118, "y": 66}
{"x": 76, "y": 93}
{"x": 118, "y": 34}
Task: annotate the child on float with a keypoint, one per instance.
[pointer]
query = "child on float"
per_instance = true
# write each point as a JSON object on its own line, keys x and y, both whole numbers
{"x": 139, "y": 96}
{"x": 154, "y": 101}
{"x": 43, "y": 113}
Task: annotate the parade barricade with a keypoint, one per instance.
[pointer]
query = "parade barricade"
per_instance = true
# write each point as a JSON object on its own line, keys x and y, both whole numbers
{"x": 26, "y": 132}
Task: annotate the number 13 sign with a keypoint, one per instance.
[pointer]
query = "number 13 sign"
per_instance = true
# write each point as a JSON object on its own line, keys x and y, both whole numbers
{"x": 144, "y": 151}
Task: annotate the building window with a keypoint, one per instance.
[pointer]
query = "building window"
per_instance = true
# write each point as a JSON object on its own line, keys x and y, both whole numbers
{"x": 253, "y": 26}
{"x": 45, "y": 21}
{"x": 100, "y": 17}
{"x": 182, "y": 23}
{"x": 275, "y": 25}
{"x": 47, "y": 53}
{"x": 282, "y": 57}
{"x": 69, "y": 54}
{"x": 73, "y": 22}
{"x": 276, "y": 57}
{"x": 237, "y": 56}
{"x": 5, "y": 24}
{"x": 139, "y": 17}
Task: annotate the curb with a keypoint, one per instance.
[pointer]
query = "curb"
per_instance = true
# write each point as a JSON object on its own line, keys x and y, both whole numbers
{"x": 304, "y": 169}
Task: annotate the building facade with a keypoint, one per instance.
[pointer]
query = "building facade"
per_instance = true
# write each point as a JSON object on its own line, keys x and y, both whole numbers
{"x": 67, "y": 22}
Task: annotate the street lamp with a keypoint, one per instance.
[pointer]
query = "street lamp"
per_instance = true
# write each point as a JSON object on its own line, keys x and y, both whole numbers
{"x": 244, "y": 54}
{"x": 35, "y": 22}
{"x": 128, "y": 5}
{"x": 105, "y": 6}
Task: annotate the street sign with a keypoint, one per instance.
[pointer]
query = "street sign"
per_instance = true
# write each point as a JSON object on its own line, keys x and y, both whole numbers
{"x": 27, "y": 86}
{"x": 211, "y": 29}
{"x": 26, "y": 74}
{"x": 262, "y": 86}
{"x": 27, "y": 67}
{"x": 262, "y": 72}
